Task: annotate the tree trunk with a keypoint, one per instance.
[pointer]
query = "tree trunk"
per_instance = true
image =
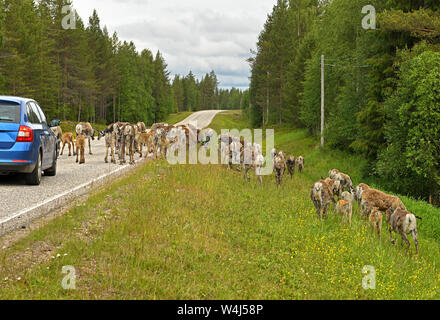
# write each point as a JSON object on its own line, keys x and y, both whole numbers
{"x": 281, "y": 97}
{"x": 119, "y": 118}
{"x": 114, "y": 107}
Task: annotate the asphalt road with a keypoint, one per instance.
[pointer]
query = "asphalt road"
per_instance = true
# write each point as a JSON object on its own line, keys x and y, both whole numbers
{"x": 16, "y": 196}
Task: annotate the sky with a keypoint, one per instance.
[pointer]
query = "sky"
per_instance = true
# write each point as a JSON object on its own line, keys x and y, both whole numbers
{"x": 197, "y": 35}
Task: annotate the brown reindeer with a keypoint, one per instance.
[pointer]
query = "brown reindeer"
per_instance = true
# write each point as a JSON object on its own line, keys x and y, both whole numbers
{"x": 164, "y": 144}
{"x": 110, "y": 141}
{"x": 279, "y": 163}
{"x": 162, "y": 141}
{"x": 68, "y": 139}
{"x": 375, "y": 219}
{"x": 86, "y": 129}
{"x": 141, "y": 126}
{"x": 335, "y": 186}
{"x": 375, "y": 198}
{"x": 291, "y": 166}
{"x": 321, "y": 196}
{"x": 137, "y": 145}
{"x": 225, "y": 141}
{"x": 300, "y": 163}
{"x": 348, "y": 196}
{"x": 80, "y": 148}
{"x": 159, "y": 126}
{"x": 403, "y": 222}
{"x": 128, "y": 133}
{"x": 345, "y": 179}
{"x": 358, "y": 192}
{"x": 59, "y": 134}
{"x": 345, "y": 208}
{"x": 252, "y": 160}
{"x": 189, "y": 134}
{"x": 148, "y": 140}
{"x": 117, "y": 129}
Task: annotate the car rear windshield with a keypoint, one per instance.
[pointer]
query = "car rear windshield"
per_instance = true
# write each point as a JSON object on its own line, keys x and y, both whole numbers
{"x": 9, "y": 112}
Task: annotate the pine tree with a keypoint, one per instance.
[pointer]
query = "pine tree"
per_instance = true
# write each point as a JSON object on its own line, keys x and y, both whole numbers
{"x": 161, "y": 88}
{"x": 190, "y": 92}
{"x": 179, "y": 93}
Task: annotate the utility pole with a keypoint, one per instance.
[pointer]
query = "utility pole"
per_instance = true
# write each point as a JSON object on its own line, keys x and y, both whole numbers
{"x": 322, "y": 100}
{"x": 267, "y": 108}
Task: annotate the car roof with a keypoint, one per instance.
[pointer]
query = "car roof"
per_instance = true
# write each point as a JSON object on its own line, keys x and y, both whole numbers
{"x": 15, "y": 99}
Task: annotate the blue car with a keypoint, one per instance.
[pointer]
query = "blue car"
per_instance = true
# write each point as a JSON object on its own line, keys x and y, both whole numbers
{"x": 27, "y": 144}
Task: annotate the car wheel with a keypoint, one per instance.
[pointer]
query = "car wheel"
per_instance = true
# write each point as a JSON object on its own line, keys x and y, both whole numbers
{"x": 34, "y": 178}
{"x": 51, "y": 172}
{"x": 58, "y": 149}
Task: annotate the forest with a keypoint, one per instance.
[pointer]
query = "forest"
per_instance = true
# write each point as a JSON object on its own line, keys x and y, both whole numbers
{"x": 382, "y": 85}
{"x": 86, "y": 74}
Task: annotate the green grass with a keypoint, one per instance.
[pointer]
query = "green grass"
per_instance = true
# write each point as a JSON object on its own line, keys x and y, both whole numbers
{"x": 201, "y": 232}
{"x": 177, "y": 117}
{"x": 232, "y": 119}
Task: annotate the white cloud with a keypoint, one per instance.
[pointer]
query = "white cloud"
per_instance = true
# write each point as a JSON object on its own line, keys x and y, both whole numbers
{"x": 192, "y": 35}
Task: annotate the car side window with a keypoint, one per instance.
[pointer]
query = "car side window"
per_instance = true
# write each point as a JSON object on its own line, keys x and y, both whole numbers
{"x": 42, "y": 116}
{"x": 31, "y": 115}
{"x": 37, "y": 112}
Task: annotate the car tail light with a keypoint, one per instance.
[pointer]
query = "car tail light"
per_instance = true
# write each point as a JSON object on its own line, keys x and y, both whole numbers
{"x": 25, "y": 134}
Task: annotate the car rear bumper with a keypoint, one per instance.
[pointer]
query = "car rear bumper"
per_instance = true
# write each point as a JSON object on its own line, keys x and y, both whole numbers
{"x": 21, "y": 158}
{"x": 16, "y": 167}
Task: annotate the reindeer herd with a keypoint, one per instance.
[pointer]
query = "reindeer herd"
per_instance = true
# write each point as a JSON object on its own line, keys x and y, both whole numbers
{"x": 249, "y": 156}
{"x": 373, "y": 205}
{"x": 84, "y": 131}
{"x": 125, "y": 139}
{"x": 121, "y": 138}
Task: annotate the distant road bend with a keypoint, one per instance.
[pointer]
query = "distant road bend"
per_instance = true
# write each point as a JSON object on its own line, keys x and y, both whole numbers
{"x": 201, "y": 119}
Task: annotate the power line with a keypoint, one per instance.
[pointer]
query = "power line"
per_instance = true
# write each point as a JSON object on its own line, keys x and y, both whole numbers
{"x": 335, "y": 62}
{"x": 346, "y": 66}
{"x": 322, "y": 99}
{"x": 323, "y": 65}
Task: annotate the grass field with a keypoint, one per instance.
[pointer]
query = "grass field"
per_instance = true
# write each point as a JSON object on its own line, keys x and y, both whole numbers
{"x": 229, "y": 120}
{"x": 201, "y": 232}
{"x": 177, "y": 117}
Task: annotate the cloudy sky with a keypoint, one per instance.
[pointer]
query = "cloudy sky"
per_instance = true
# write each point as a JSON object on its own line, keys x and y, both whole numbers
{"x": 197, "y": 35}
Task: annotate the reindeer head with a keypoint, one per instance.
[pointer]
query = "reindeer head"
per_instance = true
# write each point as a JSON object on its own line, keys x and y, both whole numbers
{"x": 101, "y": 134}
{"x": 93, "y": 134}
{"x": 318, "y": 186}
{"x": 332, "y": 173}
{"x": 316, "y": 191}
{"x": 336, "y": 186}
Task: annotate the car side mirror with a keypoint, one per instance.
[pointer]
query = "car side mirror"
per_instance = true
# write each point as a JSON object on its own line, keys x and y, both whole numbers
{"x": 54, "y": 123}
